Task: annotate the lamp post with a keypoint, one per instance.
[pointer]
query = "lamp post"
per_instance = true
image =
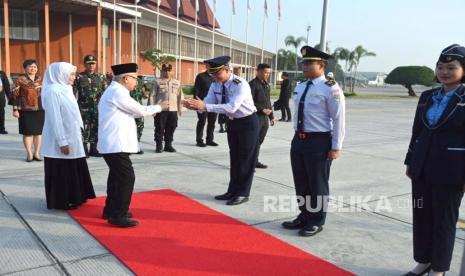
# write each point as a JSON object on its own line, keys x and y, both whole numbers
{"x": 308, "y": 31}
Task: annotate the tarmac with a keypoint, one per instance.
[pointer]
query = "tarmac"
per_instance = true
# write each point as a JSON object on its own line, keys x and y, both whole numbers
{"x": 369, "y": 231}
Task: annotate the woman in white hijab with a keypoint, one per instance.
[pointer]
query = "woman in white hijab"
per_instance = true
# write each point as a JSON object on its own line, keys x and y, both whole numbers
{"x": 67, "y": 179}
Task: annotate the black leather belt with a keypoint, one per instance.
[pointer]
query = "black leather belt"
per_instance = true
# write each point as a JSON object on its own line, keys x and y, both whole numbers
{"x": 305, "y": 135}
{"x": 238, "y": 119}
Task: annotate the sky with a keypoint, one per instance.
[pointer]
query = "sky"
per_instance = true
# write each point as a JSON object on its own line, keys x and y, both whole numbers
{"x": 399, "y": 32}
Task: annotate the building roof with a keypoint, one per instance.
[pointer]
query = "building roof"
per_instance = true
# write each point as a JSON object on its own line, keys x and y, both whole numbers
{"x": 186, "y": 10}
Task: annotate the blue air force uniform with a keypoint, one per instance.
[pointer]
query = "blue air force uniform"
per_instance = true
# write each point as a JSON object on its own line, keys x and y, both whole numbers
{"x": 436, "y": 166}
{"x": 234, "y": 99}
{"x": 319, "y": 128}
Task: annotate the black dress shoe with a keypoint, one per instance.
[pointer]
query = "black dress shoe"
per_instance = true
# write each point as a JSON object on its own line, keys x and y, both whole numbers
{"x": 123, "y": 222}
{"x": 71, "y": 207}
{"x": 3, "y": 132}
{"x": 169, "y": 148}
{"x": 282, "y": 120}
{"x": 159, "y": 150}
{"x": 128, "y": 215}
{"x": 201, "y": 144}
{"x": 211, "y": 143}
{"x": 140, "y": 152}
{"x": 222, "y": 131}
{"x": 225, "y": 196}
{"x": 309, "y": 231}
{"x": 424, "y": 272}
{"x": 289, "y": 120}
{"x": 260, "y": 166}
{"x": 293, "y": 224}
{"x": 237, "y": 200}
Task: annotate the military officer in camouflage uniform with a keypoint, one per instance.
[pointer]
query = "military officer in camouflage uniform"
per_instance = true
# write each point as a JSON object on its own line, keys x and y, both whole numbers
{"x": 139, "y": 94}
{"x": 88, "y": 88}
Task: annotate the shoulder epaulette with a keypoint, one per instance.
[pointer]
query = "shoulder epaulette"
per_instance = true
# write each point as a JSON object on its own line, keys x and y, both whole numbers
{"x": 237, "y": 81}
{"x": 330, "y": 83}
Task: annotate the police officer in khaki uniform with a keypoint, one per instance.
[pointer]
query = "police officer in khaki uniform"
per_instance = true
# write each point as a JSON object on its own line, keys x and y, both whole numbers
{"x": 88, "y": 88}
{"x": 167, "y": 92}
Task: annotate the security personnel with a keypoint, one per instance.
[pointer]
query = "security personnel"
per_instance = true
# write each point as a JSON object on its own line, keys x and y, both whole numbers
{"x": 167, "y": 91}
{"x": 230, "y": 95}
{"x": 138, "y": 94}
{"x": 201, "y": 86}
{"x": 260, "y": 89}
{"x": 436, "y": 164}
{"x": 4, "y": 92}
{"x": 319, "y": 132}
{"x": 88, "y": 88}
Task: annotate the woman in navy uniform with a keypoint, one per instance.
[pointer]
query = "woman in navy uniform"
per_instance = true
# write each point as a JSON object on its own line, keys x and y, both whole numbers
{"x": 436, "y": 164}
{"x": 230, "y": 95}
{"x": 319, "y": 133}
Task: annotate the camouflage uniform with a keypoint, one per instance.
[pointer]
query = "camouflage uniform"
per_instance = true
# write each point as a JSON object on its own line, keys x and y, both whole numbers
{"x": 138, "y": 94}
{"x": 88, "y": 89}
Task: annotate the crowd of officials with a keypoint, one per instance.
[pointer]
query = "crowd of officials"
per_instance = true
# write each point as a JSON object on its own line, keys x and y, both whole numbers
{"x": 74, "y": 115}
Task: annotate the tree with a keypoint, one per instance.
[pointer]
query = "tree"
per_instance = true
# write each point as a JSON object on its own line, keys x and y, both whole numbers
{"x": 295, "y": 42}
{"x": 284, "y": 58}
{"x": 345, "y": 55}
{"x": 157, "y": 58}
{"x": 410, "y": 75}
{"x": 358, "y": 53}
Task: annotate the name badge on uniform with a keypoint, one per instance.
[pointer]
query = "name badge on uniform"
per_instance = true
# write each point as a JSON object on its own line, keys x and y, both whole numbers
{"x": 461, "y": 104}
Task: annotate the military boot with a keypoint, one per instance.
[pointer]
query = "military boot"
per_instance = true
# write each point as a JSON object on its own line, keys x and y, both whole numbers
{"x": 159, "y": 147}
{"x": 86, "y": 149}
{"x": 169, "y": 148}
{"x": 93, "y": 151}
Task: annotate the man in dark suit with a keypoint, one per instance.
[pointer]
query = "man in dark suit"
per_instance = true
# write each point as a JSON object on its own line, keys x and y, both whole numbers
{"x": 284, "y": 96}
{"x": 4, "y": 92}
{"x": 201, "y": 86}
{"x": 260, "y": 89}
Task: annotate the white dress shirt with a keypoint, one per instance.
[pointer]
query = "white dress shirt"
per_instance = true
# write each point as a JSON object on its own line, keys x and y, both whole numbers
{"x": 63, "y": 123}
{"x": 239, "y": 101}
{"x": 117, "y": 130}
{"x": 324, "y": 109}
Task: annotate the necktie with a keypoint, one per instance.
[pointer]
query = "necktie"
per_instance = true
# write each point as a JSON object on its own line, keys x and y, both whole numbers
{"x": 300, "y": 114}
{"x": 223, "y": 95}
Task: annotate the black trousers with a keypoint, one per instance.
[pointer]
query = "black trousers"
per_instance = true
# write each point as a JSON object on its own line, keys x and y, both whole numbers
{"x": 285, "y": 110}
{"x": 242, "y": 140}
{"x": 120, "y": 184}
{"x": 264, "y": 124}
{"x": 210, "y": 118}
{"x": 2, "y": 110}
{"x": 310, "y": 169}
{"x": 435, "y": 214}
{"x": 165, "y": 124}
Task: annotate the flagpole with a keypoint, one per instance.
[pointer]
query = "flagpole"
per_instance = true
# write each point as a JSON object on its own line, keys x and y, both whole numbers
{"x": 114, "y": 31}
{"x": 135, "y": 35}
{"x": 177, "y": 38}
{"x": 195, "y": 39}
{"x": 247, "y": 41}
{"x": 213, "y": 30}
{"x": 323, "y": 26}
{"x": 263, "y": 37}
{"x": 230, "y": 30}
{"x": 276, "y": 59}
{"x": 158, "y": 31}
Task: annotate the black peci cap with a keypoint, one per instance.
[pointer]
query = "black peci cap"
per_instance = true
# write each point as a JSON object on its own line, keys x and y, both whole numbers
{"x": 124, "y": 68}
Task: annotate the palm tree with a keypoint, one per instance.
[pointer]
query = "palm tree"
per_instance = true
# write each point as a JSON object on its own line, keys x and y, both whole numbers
{"x": 345, "y": 55}
{"x": 295, "y": 42}
{"x": 358, "y": 53}
{"x": 284, "y": 55}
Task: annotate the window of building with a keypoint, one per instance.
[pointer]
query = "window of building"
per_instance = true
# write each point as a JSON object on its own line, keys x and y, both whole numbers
{"x": 24, "y": 24}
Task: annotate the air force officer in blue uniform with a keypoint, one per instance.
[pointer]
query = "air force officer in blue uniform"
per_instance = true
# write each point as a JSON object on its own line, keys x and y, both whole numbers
{"x": 436, "y": 164}
{"x": 231, "y": 95}
{"x": 319, "y": 132}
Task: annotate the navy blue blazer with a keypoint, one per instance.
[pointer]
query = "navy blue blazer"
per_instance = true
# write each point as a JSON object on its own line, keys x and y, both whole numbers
{"x": 437, "y": 152}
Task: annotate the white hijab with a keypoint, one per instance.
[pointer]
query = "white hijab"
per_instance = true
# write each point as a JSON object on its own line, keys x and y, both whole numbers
{"x": 56, "y": 80}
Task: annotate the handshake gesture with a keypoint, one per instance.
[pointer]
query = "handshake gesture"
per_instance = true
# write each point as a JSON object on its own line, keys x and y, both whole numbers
{"x": 194, "y": 104}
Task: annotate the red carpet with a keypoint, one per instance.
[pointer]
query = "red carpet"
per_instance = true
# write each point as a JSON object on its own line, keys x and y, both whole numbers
{"x": 179, "y": 236}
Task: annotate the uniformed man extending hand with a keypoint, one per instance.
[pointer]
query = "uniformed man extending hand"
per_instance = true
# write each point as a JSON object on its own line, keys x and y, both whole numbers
{"x": 230, "y": 95}
{"x": 319, "y": 132}
{"x": 88, "y": 87}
